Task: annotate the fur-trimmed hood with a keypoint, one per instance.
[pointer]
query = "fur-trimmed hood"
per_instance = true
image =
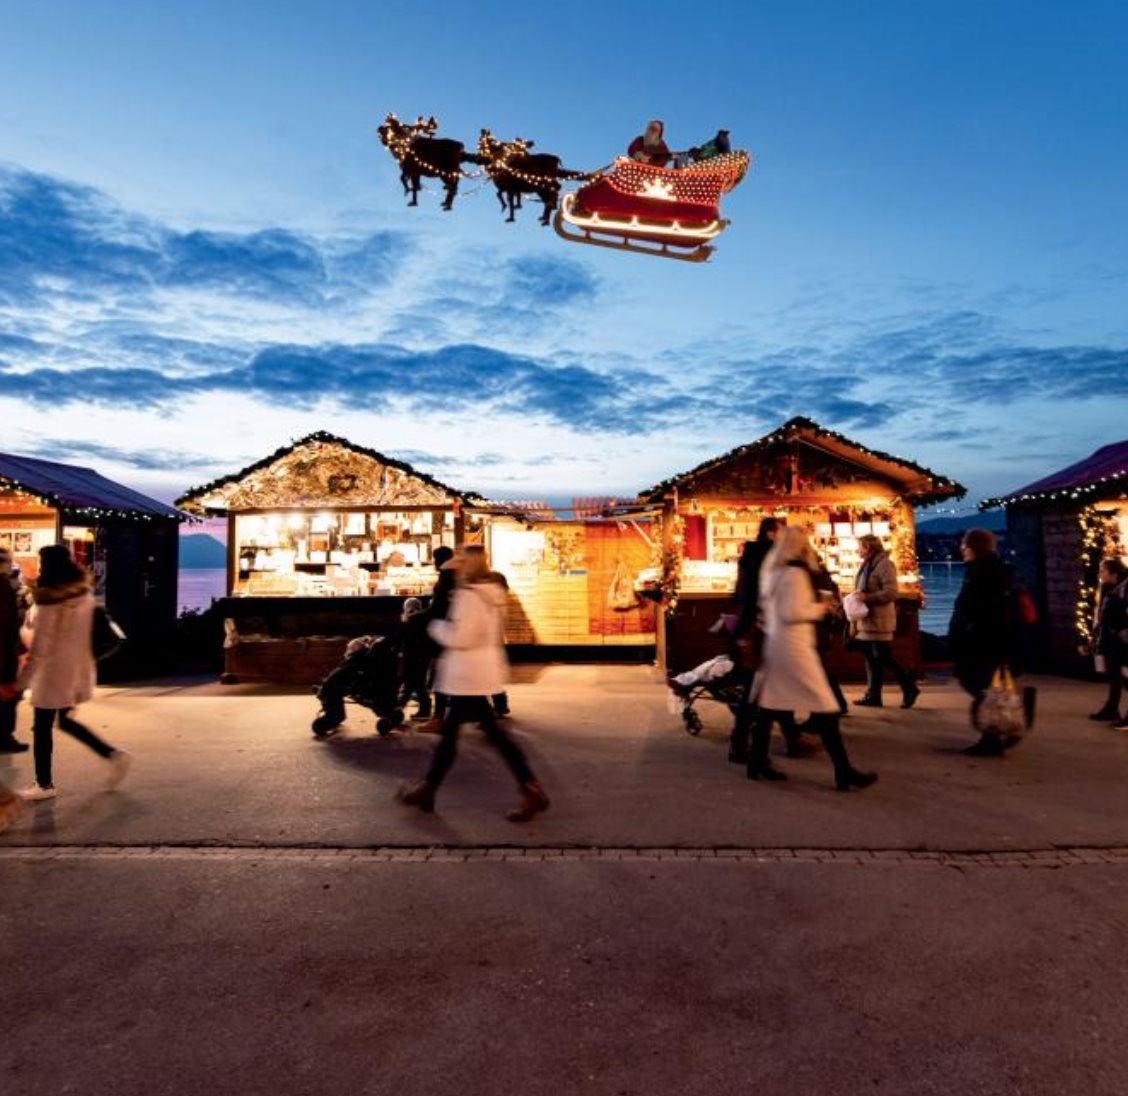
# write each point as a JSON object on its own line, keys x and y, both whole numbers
{"x": 53, "y": 595}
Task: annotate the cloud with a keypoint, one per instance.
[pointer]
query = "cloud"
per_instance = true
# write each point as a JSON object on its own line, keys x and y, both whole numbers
{"x": 61, "y": 239}
{"x": 163, "y": 460}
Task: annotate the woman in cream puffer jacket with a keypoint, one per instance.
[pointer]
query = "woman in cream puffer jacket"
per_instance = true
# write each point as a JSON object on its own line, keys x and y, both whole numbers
{"x": 61, "y": 666}
{"x": 471, "y": 669}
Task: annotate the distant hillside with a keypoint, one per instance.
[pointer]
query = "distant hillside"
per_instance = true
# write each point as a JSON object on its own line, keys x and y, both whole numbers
{"x": 201, "y": 551}
{"x": 994, "y": 520}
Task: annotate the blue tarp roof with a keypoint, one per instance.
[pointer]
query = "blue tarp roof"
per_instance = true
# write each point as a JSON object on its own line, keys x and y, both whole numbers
{"x": 68, "y": 487}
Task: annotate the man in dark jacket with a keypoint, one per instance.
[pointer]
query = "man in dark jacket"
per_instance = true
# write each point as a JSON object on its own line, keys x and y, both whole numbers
{"x": 982, "y": 629}
{"x": 10, "y": 651}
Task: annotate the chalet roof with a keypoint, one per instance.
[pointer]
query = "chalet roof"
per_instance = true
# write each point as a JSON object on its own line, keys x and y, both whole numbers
{"x": 914, "y": 482}
{"x": 78, "y": 491}
{"x": 225, "y": 493}
{"x": 1103, "y": 473}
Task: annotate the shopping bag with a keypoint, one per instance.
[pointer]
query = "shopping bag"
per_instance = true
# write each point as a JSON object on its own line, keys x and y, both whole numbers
{"x": 106, "y": 634}
{"x": 1004, "y": 707}
{"x": 855, "y": 608}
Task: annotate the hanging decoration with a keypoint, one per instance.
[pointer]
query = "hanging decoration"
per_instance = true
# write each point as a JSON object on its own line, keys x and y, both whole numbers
{"x": 644, "y": 207}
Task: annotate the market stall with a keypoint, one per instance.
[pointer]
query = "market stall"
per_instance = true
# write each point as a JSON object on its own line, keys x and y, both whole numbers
{"x": 325, "y": 541}
{"x": 1059, "y": 528}
{"x": 572, "y": 574}
{"x": 801, "y": 473}
{"x": 129, "y": 542}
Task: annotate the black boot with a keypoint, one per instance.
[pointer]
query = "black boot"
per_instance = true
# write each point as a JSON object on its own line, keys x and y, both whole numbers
{"x": 989, "y": 745}
{"x": 845, "y": 775}
{"x": 738, "y": 742}
{"x": 759, "y": 766}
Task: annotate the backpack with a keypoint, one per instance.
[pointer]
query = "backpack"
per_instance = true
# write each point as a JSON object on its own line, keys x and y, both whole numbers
{"x": 106, "y": 634}
{"x": 1026, "y": 612}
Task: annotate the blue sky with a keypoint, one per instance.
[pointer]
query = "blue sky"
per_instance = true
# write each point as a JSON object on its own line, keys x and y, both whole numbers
{"x": 204, "y": 250}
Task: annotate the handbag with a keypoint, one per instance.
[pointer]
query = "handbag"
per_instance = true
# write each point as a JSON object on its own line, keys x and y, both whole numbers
{"x": 106, "y": 634}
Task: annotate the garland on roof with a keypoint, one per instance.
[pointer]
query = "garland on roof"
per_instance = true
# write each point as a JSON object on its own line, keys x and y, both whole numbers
{"x": 10, "y": 488}
{"x": 1079, "y": 492}
{"x": 791, "y": 430}
{"x": 319, "y": 437}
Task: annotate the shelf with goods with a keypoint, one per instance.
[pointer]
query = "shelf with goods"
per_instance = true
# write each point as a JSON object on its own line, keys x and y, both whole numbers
{"x": 345, "y": 553}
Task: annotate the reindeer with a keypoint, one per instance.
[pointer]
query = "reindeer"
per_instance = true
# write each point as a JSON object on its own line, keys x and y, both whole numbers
{"x": 515, "y": 171}
{"x": 421, "y": 154}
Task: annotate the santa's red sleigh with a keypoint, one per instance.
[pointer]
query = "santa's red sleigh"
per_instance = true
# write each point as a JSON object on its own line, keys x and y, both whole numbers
{"x": 672, "y": 213}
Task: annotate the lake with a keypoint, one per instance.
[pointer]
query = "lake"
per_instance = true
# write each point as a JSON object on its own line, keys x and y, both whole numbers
{"x": 941, "y": 584}
{"x": 197, "y": 588}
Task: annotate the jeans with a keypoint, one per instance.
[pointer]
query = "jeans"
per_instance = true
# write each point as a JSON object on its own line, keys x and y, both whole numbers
{"x": 44, "y": 744}
{"x": 474, "y": 709}
{"x": 878, "y": 654}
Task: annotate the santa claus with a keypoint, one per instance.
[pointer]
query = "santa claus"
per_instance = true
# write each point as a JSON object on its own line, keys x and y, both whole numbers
{"x": 649, "y": 148}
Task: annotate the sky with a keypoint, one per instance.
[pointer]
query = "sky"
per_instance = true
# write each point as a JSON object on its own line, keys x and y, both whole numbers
{"x": 205, "y": 252}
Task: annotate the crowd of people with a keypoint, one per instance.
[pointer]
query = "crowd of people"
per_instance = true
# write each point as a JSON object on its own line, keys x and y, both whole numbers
{"x": 454, "y": 648}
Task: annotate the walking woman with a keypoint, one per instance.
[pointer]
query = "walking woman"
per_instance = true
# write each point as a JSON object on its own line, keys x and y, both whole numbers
{"x": 876, "y": 586}
{"x": 471, "y": 669}
{"x": 1110, "y": 637}
{"x": 792, "y": 676}
{"x": 61, "y": 666}
{"x": 982, "y": 630}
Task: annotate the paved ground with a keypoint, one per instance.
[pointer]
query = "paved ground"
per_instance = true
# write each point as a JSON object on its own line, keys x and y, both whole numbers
{"x": 251, "y": 911}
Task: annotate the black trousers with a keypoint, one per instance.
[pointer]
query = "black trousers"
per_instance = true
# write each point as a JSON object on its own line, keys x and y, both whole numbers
{"x": 879, "y": 654}
{"x": 8, "y": 718}
{"x": 500, "y": 702}
{"x": 474, "y": 709}
{"x": 824, "y": 724}
{"x": 44, "y": 744}
{"x": 1114, "y": 666}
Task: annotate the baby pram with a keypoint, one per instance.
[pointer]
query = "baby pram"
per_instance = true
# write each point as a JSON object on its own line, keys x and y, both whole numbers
{"x": 369, "y": 674}
{"x": 720, "y": 679}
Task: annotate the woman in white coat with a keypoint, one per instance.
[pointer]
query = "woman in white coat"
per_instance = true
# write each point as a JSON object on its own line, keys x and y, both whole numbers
{"x": 471, "y": 669}
{"x": 792, "y": 676}
{"x": 61, "y": 665}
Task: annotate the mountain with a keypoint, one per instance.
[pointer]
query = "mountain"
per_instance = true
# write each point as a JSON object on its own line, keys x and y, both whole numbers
{"x": 201, "y": 551}
{"x": 994, "y": 520}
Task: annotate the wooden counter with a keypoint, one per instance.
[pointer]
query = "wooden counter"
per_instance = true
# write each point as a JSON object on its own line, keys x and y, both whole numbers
{"x": 298, "y": 640}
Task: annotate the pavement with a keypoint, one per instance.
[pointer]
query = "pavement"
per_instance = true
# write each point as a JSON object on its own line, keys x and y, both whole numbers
{"x": 251, "y": 911}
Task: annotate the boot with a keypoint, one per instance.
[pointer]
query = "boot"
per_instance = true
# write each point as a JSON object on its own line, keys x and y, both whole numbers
{"x": 1105, "y": 714}
{"x": 759, "y": 767}
{"x": 421, "y": 795}
{"x": 533, "y": 801}
{"x": 845, "y": 775}
{"x": 989, "y": 745}
{"x": 738, "y": 743}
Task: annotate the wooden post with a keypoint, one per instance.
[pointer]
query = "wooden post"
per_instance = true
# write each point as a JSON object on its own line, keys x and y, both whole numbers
{"x": 232, "y": 557}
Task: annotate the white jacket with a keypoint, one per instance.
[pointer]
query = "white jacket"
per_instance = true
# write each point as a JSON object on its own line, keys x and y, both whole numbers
{"x": 61, "y": 669}
{"x": 792, "y": 678}
{"x": 473, "y": 661}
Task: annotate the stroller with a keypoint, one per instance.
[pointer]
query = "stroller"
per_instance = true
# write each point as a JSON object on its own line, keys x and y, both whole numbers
{"x": 721, "y": 679}
{"x": 369, "y": 674}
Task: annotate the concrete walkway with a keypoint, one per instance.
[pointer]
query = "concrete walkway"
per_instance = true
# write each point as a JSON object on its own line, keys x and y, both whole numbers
{"x": 253, "y": 913}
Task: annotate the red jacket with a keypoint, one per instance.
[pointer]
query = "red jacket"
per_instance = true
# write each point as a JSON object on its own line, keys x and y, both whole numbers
{"x": 658, "y": 159}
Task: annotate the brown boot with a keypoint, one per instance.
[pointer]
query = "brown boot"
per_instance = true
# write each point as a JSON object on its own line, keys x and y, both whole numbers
{"x": 533, "y": 801}
{"x": 421, "y": 795}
